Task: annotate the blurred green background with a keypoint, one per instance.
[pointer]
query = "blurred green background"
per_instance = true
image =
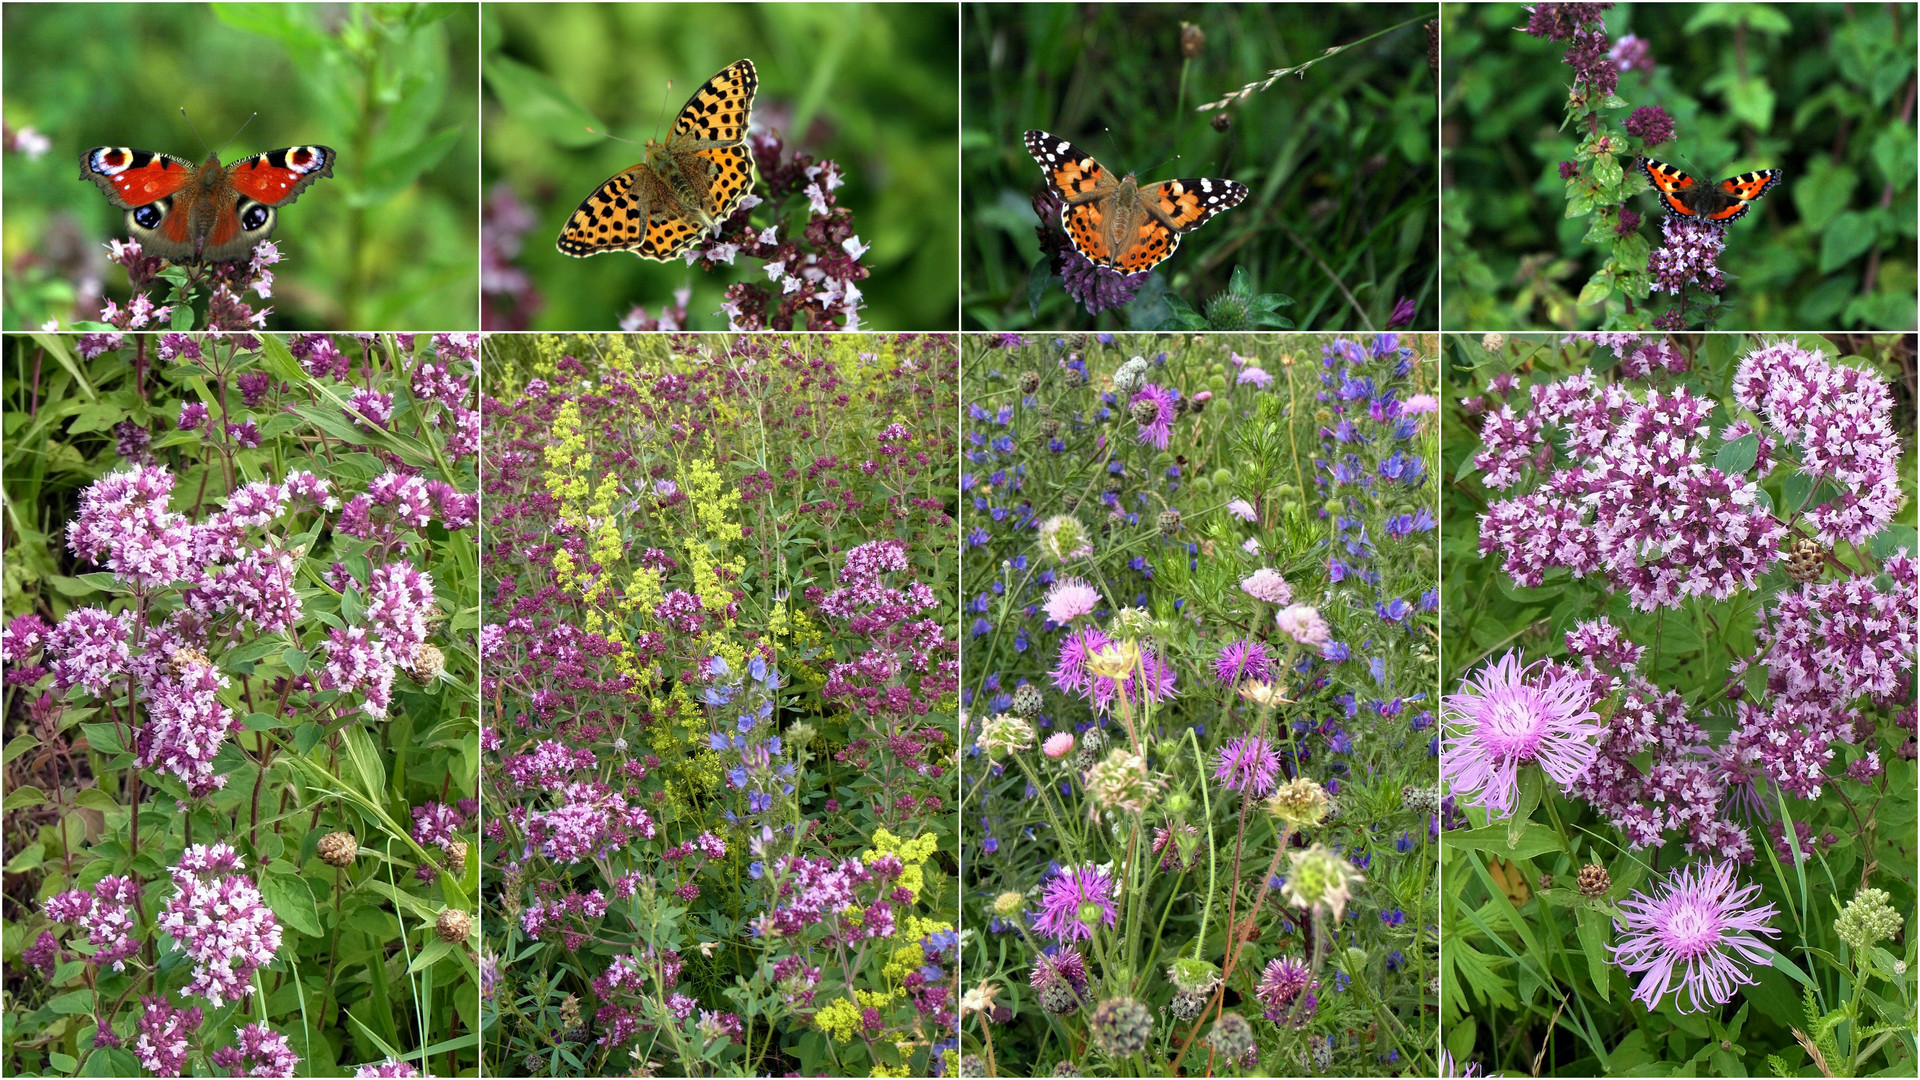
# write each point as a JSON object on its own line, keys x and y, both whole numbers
{"x": 871, "y": 86}
{"x": 1823, "y": 91}
{"x": 1342, "y": 158}
{"x": 389, "y": 242}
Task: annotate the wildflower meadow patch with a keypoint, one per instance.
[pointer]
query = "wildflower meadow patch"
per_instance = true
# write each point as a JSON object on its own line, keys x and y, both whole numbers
{"x": 1679, "y": 728}
{"x": 722, "y": 693}
{"x": 1200, "y": 590}
{"x": 241, "y": 705}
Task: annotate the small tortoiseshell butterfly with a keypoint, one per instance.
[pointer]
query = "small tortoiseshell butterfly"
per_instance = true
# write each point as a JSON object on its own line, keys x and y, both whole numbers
{"x": 1716, "y": 201}
{"x": 1117, "y": 222}
{"x": 210, "y": 212}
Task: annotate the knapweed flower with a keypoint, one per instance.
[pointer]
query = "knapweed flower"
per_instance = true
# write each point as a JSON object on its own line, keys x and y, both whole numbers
{"x": 1062, "y": 538}
{"x": 1693, "y": 935}
{"x": 1242, "y": 660}
{"x": 1299, "y": 802}
{"x": 1867, "y": 920}
{"x": 1004, "y": 734}
{"x": 1122, "y": 782}
{"x": 1247, "y": 765}
{"x": 1303, "y": 624}
{"x": 1266, "y": 584}
{"x": 1506, "y": 715}
{"x": 1283, "y": 982}
{"x": 1153, "y": 409}
{"x": 1320, "y": 877}
{"x": 1076, "y": 901}
{"x": 1069, "y": 599}
{"x": 1058, "y": 745}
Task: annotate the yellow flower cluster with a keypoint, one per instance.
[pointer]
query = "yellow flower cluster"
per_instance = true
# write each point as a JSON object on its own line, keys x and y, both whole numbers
{"x": 840, "y": 1019}
{"x": 914, "y": 853}
{"x": 909, "y": 957}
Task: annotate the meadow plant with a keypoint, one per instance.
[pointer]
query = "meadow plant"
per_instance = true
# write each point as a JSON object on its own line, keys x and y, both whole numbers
{"x": 240, "y": 651}
{"x": 1692, "y": 715}
{"x": 720, "y": 730}
{"x": 1200, "y": 593}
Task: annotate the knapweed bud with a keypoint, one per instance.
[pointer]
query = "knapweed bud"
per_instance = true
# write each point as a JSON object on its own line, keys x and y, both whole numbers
{"x": 428, "y": 663}
{"x": 1300, "y": 802}
{"x": 1144, "y": 412}
{"x": 1026, "y": 700}
{"x": 1004, "y": 734}
{"x": 1867, "y": 920}
{"x": 1192, "y": 40}
{"x": 1231, "y": 1036}
{"x": 1121, "y": 1027}
{"x": 1594, "y": 881}
{"x": 1049, "y": 427}
{"x": 1420, "y": 800}
{"x": 1319, "y": 877}
{"x": 1169, "y": 522}
{"x": 1807, "y": 561}
{"x": 457, "y": 857}
{"x": 1493, "y": 342}
{"x": 1029, "y": 381}
{"x": 338, "y": 849}
{"x": 1122, "y": 782}
{"x": 453, "y": 926}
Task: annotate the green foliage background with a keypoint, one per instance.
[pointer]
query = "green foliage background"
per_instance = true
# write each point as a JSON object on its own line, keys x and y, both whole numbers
{"x": 1525, "y": 968}
{"x": 871, "y": 86}
{"x": 1823, "y": 91}
{"x": 1342, "y": 158}
{"x": 388, "y": 242}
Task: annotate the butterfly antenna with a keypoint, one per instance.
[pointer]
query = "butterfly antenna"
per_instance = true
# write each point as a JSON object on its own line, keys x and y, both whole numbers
{"x": 195, "y": 130}
{"x": 237, "y": 131}
{"x": 664, "y": 99}
{"x": 615, "y": 138}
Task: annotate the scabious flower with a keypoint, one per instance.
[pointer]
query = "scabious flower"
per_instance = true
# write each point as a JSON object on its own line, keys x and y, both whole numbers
{"x": 1509, "y": 714}
{"x": 219, "y": 919}
{"x": 1122, "y": 782}
{"x": 1267, "y": 584}
{"x": 1153, "y": 411}
{"x": 1069, "y": 599}
{"x": 1284, "y": 982}
{"x": 1247, "y": 765}
{"x": 1300, "y": 802}
{"x": 1242, "y": 660}
{"x": 1005, "y": 734}
{"x": 1243, "y": 510}
{"x": 1694, "y": 936}
{"x": 1304, "y": 625}
{"x": 1074, "y": 902}
{"x": 1062, "y": 538}
{"x": 1058, "y": 745}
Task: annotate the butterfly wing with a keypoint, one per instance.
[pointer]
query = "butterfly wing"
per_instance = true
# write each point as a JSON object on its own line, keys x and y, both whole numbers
{"x": 717, "y": 112}
{"x": 133, "y": 178}
{"x": 1173, "y": 208}
{"x": 277, "y": 177}
{"x": 633, "y": 211}
{"x": 1081, "y": 183}
{"x": 1672, "y": 184}
{"x": 1743, "y": 189}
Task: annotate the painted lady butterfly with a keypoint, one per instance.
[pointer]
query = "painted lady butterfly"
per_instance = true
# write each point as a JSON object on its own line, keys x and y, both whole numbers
{"x": 1117, "y": 223}
{"x": 1718, "y": 202}
{"x": 210, "y": 212}
{"x": 688, "y": 184}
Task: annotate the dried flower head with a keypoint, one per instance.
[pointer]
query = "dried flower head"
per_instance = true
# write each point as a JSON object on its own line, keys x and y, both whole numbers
{"x": 1319, "y": 877}
{"x": 1300, "y": 802}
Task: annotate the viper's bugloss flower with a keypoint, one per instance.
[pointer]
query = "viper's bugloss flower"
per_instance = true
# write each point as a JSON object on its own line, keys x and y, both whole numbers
{"x": 1508, "y": 715}
{"x": 1693, "y": 937}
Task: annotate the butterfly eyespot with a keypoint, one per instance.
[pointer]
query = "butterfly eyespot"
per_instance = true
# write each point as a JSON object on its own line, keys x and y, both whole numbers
{"x": 147, "y": 217}
{"x": 255, "y": 217}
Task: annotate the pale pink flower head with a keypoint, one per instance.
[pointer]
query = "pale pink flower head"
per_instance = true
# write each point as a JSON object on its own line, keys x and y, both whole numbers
{"x": 1069, "y": 599}
{"x": 1506, "y": 715}
{"x": 1267, "y": 584}
{"x": 1058, "y": 745}
{"x": 1243, "y": 510}
{"x": 1420, "y": 403}
{"x": 1693, "y": 936}
{"x": 1303, "y": 624}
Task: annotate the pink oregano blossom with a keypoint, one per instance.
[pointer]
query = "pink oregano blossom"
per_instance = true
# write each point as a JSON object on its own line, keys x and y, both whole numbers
{"x": 219, "y": 919}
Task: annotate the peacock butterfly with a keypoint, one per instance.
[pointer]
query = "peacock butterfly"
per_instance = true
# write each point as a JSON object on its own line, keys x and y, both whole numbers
{"x": 212, "y": 213}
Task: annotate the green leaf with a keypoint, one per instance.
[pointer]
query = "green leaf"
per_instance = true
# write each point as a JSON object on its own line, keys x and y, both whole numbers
{"x": 94, "y": 798}
{"x": 16, "y": 746}
{"x": 536, "y": 100}
{"x": 291, "y": 899}
{"x": 1847, "y": 238}
{"x": 241, "y": 658}
{"x": 1889, "y": 540}
{"x": 1739, "y": 455}
{"x": 1534, "y": 840}
{"x": 73, "y": 1003}
{"x": 23, "y": 797}
{"x": 1592, "y": 928}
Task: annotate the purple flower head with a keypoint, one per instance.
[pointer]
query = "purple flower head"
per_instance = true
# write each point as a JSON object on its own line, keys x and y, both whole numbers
{"x": 1247, "y": 765}
{"x": 1690, "y": 255}
{"x": 1283, "y": 982}
{"x": 1155, "y": 430}
{"x": 1693, "y": 935}
{"x": 1632, "y": 53}
{"x": 1069, "y": 599}
{"x": 219, "y": 919}
{"x": 1404, "y": 310}
{"x": 1650, "y": 124}
{"x": 386, "y": 1068}
{"x": 257, "y": 1051}
{"x": 105, "y": 913}
{"x": 1242, "y": 660}
{"x": 1557, "y": 21}
{"x": 1066, "y": 894}
{"x": 1501, "y": 720}
{"x": 163, "y": 1042}
{"x": 1569, "y": 170}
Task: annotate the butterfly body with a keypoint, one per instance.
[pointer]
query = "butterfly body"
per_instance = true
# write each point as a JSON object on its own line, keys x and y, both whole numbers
{"x": 203, "y": 213}
{"x": 688, "y": 184}
{"x": 1117, "y": 222}
{"x": 1718, "y": 201}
